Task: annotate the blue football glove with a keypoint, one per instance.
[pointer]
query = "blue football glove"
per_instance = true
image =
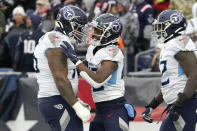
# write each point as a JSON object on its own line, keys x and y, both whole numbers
{"x": 147, "y": 113}
{"x": 176, "y": 108}
{"x": 131, "y": 111}
{"x": 69, "y": 51}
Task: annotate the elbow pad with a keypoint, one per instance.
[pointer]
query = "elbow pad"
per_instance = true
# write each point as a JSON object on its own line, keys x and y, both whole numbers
{"x": 93, "y": 83}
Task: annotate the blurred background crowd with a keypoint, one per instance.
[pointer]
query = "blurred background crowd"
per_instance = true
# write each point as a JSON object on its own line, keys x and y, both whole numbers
{"x": 23, "y": 22}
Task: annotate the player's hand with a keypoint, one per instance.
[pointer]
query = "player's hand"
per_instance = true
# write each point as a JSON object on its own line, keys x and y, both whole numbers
{"x": 82, "y": 112}
{"x": 131, "y": 111}
{"x": 149, "y": 109}
{"x": 147, "y": 113}
{"x": 84, "y": 104}
{"x": 69, "y": 51}
{"x": 176, "y": 108}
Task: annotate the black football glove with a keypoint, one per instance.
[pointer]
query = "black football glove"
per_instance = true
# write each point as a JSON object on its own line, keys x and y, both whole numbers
{"x": 149, "y": 109}
{"x": 176, "y": 107}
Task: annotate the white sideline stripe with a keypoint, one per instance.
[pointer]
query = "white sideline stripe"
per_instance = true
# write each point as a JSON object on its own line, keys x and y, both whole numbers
{"x": 179, "y": 124}
{"x": 64, "y": 120}
{"x": 123, "y": 125}
{"x": 136, "y": 126}
{"x": 196, "y": 123}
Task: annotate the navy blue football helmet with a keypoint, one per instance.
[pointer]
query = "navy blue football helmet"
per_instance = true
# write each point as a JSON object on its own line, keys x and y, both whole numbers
{"x": 106, "y": 30}
{"x": 71, "y": 20}
{"x": 169, "y": 24}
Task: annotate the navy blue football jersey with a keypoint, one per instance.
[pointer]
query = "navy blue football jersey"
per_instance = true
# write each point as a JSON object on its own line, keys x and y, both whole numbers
{"x": 144, "y": 12}
{"x": 23, "y": 54}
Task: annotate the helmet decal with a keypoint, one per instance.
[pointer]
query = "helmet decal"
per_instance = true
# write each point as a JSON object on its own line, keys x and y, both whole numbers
{"x": 176, "y": 18}
{"x": 116, "y": 26}
{"x": 68, "y": 13}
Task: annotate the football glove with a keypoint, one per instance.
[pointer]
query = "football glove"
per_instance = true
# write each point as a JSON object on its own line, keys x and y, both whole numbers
{"x": 82, "y": 111}
{"x": 176, "y": 107}
{"x": 131, "y": 111}
{"x": 149, "y": 109}
{"x": 84, "y": 104}
{"x": 69, "y": 51}
{"x": 147, "y": 113}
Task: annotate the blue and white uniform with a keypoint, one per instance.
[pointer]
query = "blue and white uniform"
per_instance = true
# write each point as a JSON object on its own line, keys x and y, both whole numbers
{"x": 55, "y": 110}
{"x": 114, "y": 87}
{"x": 44, "y": 76}
{"x": 174, "y": 81}
{"x": 109, "y": 98}
{"x": 173, "y": 78}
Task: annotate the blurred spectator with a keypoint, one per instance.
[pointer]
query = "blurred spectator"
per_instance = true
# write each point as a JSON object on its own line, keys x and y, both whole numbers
{"x": 6, "y": 7}
{"x": 100, "y": 7}
{"x": 89, "y": 5}
{"x": 191, "y": 29}
{"x": 109, "y": 6}
{"x": 151, "y": 2}
{"x": 27, "y": 4}
{"x": 130, "y": 29}
{"x": 24, "y": 48}
{"x": 4, "y": 54}
{"x": 43, "y": 10}
{"x": 18, "y": 25}
{"x": 194, "y": 9}
{"x": 2, "y": 24}
{"x": 159, "y": 6}
{"x": 184, "y": 6}
{"x": 129, "y": 22}
{"x": 55, "y": 3}
{"x": 144, "y": 12}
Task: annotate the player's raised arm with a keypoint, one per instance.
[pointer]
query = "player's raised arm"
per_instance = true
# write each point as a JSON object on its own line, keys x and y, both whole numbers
{"x": 96, "y": 79}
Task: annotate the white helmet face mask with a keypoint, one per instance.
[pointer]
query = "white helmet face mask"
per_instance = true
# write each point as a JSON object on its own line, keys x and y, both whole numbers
{"x": 95, "y": 34}
{"x": 96, "y": 38}
{"x": 159, "y": 31}
{"x": 77, "y": 35}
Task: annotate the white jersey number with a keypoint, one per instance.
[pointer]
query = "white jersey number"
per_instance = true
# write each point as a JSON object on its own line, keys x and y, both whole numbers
{"x": 29, "y": 46}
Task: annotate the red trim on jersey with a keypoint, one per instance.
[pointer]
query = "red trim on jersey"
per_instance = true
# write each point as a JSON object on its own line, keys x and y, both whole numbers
{"x": 145, "y": 7}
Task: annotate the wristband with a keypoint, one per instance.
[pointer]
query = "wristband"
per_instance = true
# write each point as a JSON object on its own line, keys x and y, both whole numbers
{"x": 153, "y": 104}
{"x": 78, "y": 62}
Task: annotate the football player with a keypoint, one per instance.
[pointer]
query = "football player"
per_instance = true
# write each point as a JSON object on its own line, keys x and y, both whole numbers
{"x": 179, "y": 73}
{"x": 57, "y": 76}
{"x": 105, "y": 75}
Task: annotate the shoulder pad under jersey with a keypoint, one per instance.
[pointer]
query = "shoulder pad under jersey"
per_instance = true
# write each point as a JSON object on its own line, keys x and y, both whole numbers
{"x": 55, "y": 38}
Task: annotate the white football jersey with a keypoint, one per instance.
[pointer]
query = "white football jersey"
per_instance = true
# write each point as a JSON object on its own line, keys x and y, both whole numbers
{"x": 114, "y": 87}
{"x": 47, "y": 86}
{"x": 173, "y": 78}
